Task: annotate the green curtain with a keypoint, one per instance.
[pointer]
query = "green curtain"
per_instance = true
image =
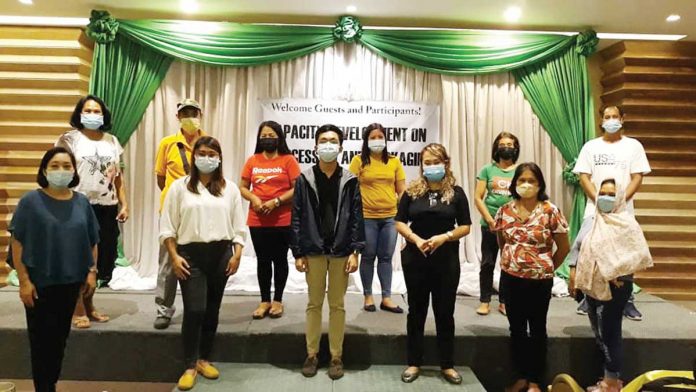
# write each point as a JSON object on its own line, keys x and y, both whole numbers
{"x": 559, "y": 93}
{"x": 464, "y": 52}
{"x": 126, "y": 76}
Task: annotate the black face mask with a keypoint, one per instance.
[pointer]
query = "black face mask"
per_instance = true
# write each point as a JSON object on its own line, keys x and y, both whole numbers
{"x": 507, "y": 153}
{"x": 268, "y": 144}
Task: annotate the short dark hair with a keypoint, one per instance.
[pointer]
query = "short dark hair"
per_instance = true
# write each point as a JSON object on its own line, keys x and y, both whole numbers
{"x": 494, "y": 153}
{"x": 41, "y": 176}
{"x": 605, "y": 107}
{"x": 608, "y": 181}
{"x": 278, "y": 129}
{"x": 76, "y": 121}
{"x": 328, "y": 128}
{"x": 531, "y": 166}
{"x": 365, "y": 153}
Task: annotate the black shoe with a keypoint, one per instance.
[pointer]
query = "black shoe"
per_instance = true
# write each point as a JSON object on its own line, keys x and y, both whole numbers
{"x": 162, "y": 322}
{"x": 370, "y": 308}
{"x": 409, "y": 377}
{"x": 583, "y": 308}
{"x": 336, "y": 369}
{"x": 631, "y": 312}
{"x": 393, "y": 310}
{"x": 452, "y": 378}
{"x": 309, "y": 368}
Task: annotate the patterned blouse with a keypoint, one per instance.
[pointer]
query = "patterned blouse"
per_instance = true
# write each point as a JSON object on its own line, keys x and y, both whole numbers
{"x": 528, "y": 250}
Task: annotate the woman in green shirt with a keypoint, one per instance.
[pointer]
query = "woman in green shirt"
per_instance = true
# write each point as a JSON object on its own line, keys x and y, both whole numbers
{"x": 492, "y": 192}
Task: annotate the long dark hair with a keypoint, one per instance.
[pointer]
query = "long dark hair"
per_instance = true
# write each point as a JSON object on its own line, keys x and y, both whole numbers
{"x": 505, "y": 135}
{"x": 41, "y": 176}
{"x": 217, "y": 181}
{"x": 278, "y": 129}
{"x": 365, "y": 155}
{"x": 76, "y": 121}
{"x": 536, "y": 170}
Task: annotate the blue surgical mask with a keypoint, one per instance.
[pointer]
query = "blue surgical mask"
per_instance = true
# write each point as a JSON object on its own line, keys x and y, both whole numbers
{"x": 612, "y": 125}
{"x": 434, "y": 173}
{"x": 328, "y": 152}
{"x": 606, "y": 203}
{"x": 207, "y": 165}
{"x": 376, "y": 145}
{"x": 91, "y": 120}
{"x": 59, "y": 178}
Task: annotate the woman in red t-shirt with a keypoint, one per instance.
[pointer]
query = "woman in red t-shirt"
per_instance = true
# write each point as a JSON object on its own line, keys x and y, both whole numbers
{"x": 268, "y": 182}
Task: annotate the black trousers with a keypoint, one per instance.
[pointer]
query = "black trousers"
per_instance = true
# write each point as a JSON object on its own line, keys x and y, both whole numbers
{"x": 606, "y": 318}
{"x": 202, "y": 293}
{"x": 527, "y": 304}
{"x": 489, "y": 255}
{"x": 271, "y": 246}
{"x": 108, "y": 240}
{"x": 436, "y": 275}
{"x": 48, "y": 324}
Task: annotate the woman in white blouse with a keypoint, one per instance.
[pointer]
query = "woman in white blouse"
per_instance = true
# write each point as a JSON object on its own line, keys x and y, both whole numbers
{"x": 202, "y": 226}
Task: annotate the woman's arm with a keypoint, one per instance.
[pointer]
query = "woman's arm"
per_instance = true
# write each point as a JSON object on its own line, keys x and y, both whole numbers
{"x": 400, "y": 187}
{"x": 120, "y": 184}
{"x": 27, "y": 291}
{"x": 479, "y": 194}
{"x": 563, "y": 247}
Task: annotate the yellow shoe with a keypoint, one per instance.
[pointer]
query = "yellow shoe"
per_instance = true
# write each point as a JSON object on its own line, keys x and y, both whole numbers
{"x": 187, "y": 381}
{"x": 484, "y": 309}
{"x": 208, "y": 371}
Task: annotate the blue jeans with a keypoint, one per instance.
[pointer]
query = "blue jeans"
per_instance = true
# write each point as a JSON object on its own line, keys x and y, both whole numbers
{"x": 380, "y": 241}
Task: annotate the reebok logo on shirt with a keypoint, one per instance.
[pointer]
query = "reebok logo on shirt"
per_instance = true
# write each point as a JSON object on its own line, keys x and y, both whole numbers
{"x": 263, "y": 179}
{"x": 274, "y": 170}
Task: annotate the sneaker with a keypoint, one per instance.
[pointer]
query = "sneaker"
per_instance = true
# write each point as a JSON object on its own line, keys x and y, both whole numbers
{"x": 583, "y": 308}
{"x": 631, "y": 312}
{"x": 336, "y": 369}
{"x": 162, "y": 322}
{"x": 309, "y": 368}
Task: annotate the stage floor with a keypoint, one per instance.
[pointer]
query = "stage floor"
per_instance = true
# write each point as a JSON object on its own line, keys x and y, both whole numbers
{"x": 128, "y": 349}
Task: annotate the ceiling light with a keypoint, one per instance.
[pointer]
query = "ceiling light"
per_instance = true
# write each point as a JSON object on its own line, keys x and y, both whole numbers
{"x": 188, "y": 6}
{"x": 27, "y": 2}
{"x": 513, "y": 13}
{"x": 644, "y": 37}
{"x": 351, "y": 8}
{"x": 673, "y": 18}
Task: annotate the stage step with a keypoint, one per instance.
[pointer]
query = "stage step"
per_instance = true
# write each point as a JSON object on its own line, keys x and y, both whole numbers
{"x": 21, "y": 158}
{"x": 653, "y": 200}
{"x": 22, "y": 96}
{"x": 670, "y": 265}
{"x": 44, "y": 80}
{"x": 670, "y": 232}
{"x": 672, "y": 248}
{"x": 41, "y": 33}
{"x": 652, "y": 184}
{"x": 52, "y": 63}
{"x": 17, "y": 174}
{"x": 23, "y": 128}
{"x": 40, "y": 47}
{"x": 55, "y": 113}
{"x": 16, "y": 189}
{"x": 256, "y": 377}
{"x": 27, "y": 143}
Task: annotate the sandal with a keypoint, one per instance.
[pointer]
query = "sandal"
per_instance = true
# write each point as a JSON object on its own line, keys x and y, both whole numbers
{"x": 98, "y": 317}
{"x": 81, "y": 322}
{"x": 261, "y": 311}
{"x": 276, "y": 310}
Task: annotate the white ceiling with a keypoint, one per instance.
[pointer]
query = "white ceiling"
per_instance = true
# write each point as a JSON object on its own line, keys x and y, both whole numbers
{"x": 615, "y": 16}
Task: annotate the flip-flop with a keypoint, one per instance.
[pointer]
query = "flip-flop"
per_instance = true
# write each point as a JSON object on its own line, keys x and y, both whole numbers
{"x": 98, "y": 317}
{"x": 275, "y": 315}
{"x": 81, "y": 322}
{"x": 258, "y": 316}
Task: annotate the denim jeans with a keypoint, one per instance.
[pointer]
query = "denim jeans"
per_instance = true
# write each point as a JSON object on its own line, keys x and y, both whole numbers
{"x": 380, "y": 241}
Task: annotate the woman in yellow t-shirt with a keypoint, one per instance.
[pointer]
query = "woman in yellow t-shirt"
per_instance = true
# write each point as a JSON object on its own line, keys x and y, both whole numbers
{"x": 382, "y": 181}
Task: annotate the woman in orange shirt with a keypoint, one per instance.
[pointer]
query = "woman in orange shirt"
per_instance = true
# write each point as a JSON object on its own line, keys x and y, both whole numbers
{"x": 268, "y": 182}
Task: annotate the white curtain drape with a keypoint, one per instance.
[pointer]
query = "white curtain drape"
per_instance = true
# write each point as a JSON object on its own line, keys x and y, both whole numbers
{"x": 474, "y": 109}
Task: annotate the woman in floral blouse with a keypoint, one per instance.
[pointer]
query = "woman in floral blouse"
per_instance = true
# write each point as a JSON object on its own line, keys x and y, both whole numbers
{"x": 527, "y": 228}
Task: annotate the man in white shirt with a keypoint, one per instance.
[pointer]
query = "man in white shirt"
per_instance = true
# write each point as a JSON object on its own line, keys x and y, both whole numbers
{"x": 616, "y": 156}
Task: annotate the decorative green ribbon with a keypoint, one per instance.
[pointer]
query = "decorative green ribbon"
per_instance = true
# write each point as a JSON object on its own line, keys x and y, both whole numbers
{"x": 102, "y": 27}
{"x": 348, "y": 29}
{"x": 586, "y": 43}
{"x": 570, "y": 178}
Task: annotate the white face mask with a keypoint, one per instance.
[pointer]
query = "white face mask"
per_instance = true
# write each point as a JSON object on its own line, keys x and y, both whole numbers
{"x": 328, "y": 152}
{"x": 207, "y": 165}
{"x": 527, "y": 190}
{"x": 612, "y": 125}
{"x": 376, "y": 145}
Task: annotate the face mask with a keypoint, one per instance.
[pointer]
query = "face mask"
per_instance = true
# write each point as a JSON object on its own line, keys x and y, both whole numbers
{"x": 376, "y": 145}
{"x": 190, "y": 124}
{"x": 605, "y": 203}
{"x": 207, "y": 165}
{"x": 268, "y": 144}
{"x": 507, "y": 153}
{"x": 59, "y": 178}
{"x": 328, "y": 151}
{"x": 91, "y": 120}
{"x": 434, "y": 173}
{"x": 612, "y": 125}
{"x": 527, "y": 190}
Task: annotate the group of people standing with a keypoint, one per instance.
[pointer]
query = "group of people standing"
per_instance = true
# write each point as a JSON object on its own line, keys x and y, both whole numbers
{"x": 334, "y": 221}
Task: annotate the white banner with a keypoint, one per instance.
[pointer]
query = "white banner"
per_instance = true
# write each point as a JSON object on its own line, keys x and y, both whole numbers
{"x": 409, "y": 126}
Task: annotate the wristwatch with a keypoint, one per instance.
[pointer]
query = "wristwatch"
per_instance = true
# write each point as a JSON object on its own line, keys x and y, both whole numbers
{"x": 450, "y": 235}
{"x": 277, "y": 201}
{"x": 93, "y": 269}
